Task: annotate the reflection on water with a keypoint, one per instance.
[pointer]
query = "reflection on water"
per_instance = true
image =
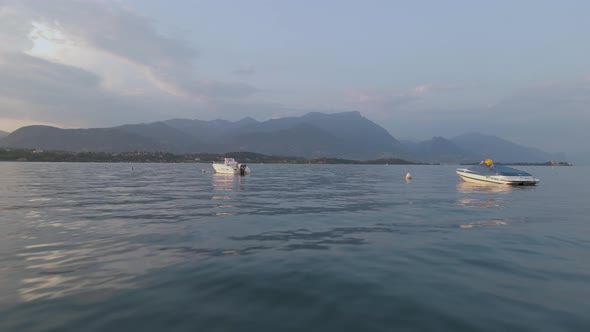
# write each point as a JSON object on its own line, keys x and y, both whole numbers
{"x": 225, "y": 188}
{"x": 475, "y": 191}
{"x": 484, "y": 223}
{"x": 482, "y": 203}
{"x": 60, "y": 269}
{"x": 483, "y": 188}
{"x": 226, "y": 182}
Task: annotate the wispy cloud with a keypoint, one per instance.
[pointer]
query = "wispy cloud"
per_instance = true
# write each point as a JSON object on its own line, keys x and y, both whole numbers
{"x": 53, "y": 53}
{"x": 420, "y": 90}
{"x": 549, "y": 98}
{"x": 375, "y": 101}
{"x": 14, "y": 28}
{"x": 244, "y": 71}
{"x": 119, "y": 31}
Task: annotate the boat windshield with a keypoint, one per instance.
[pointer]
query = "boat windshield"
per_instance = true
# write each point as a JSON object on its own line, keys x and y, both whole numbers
{"x": 497, "y": 170}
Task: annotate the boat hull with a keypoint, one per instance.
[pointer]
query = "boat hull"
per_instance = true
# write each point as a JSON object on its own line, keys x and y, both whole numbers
{"x": 499, "y": 179}
{"x": 224, "y": 169}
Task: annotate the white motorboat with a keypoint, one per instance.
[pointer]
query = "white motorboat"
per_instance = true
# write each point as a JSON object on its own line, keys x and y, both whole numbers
{"x": 230, "y": 166}
{"x": 487, "y": 171}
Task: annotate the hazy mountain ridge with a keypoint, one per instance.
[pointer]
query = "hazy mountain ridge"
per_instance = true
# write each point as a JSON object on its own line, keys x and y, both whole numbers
{"x": 581, "y": 158}
{"x": 94, "y": 139}
{"x": 3, "y": 134}
{"x": 165, "y": 137}
{"x": 489, "y": 146}
{"x": 346, "y": 135}
{"x": 438, "y": 150}
{"x": 313, "y": 135}
{"x": 300, "y": 140}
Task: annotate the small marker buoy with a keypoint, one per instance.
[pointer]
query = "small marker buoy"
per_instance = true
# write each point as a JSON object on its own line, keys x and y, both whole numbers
{"x": 408, "y": 176}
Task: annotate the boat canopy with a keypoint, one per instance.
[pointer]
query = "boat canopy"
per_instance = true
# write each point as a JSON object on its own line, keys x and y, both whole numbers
{"x": 497, "y": 170}
{"x": 229, "y": 161}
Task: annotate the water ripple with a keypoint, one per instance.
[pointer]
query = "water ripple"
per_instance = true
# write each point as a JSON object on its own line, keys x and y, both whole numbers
{"x": 157, "y": 247}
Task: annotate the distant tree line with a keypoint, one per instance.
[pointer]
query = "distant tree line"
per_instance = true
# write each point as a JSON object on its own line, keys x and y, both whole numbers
{"x": 167, "y": 157}
{"x": 547, "y": 163}
{"x": 30, "y": 155}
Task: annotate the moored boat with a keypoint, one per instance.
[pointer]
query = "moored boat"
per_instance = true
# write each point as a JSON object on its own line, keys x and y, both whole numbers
{"x": 487, "y": 171}
{"x": 230, "y": 166}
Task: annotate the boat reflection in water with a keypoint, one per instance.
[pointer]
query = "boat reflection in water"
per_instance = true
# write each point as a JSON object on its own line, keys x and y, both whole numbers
{"x": 478, "y": 201}
{"x": 225, "y": 187}
{"x": 225, "y": 183}
{"x": 482, "y": 188}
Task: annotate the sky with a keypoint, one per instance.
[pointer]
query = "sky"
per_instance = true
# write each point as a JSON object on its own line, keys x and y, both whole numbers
{"x": 516, "y": 69}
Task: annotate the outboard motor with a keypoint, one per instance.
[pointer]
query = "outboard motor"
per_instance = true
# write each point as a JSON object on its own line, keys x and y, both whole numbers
{"x": 242, "y": 169}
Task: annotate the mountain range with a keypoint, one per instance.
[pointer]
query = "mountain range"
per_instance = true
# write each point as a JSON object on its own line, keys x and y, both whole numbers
{"x": 347, "y": 135}
{"x": 3, "y": 134}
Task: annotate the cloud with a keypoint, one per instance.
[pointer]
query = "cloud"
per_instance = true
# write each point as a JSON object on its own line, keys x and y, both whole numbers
{"x": 50, "y": 92}
{"x": 421, "y": 90}
{"x": 380, "y": 102}
{"x": 47, "y": 91}
{"x": 245, "y": 71}
{"x": 181, "y": 85}
{"x": 22, "y": 68}
{"x": 119, "y": 31}
{"x": 551, "y": 99}
{"x": 54, "y": 56}
{"x": 14, "y": 28}
{"x": 42, "y": 91}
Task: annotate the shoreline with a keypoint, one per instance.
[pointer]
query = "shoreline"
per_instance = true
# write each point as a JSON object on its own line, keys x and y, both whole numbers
{"x": 30, "y": 155}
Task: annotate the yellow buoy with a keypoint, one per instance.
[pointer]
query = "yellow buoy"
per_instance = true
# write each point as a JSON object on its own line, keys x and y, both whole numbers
{"x": 489, "y": 162}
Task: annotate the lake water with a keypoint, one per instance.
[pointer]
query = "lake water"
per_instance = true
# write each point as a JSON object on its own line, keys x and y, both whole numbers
{"x": 165, "y": 247}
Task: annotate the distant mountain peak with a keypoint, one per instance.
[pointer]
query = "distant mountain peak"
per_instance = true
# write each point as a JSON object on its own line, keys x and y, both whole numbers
{"x": 36, "y": 128}
{"x": 247, "y": 120}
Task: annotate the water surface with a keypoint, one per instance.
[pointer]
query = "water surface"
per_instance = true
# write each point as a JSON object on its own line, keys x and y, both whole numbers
{"x": 165, "y": 247}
